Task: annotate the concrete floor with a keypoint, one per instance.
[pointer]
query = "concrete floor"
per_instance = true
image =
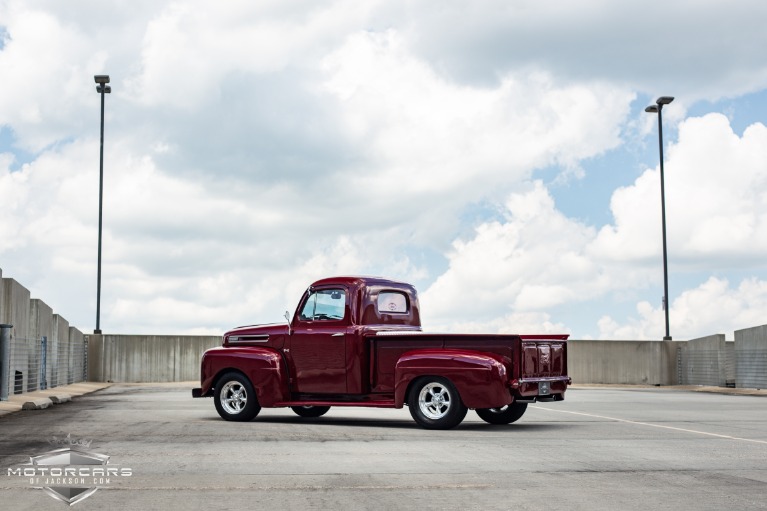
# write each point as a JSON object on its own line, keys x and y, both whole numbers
{"x": 601, "y": 449}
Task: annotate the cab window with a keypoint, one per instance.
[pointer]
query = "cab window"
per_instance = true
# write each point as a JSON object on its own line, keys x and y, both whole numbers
{"x": 324, "y": 305}
{"x": 392, "y": 303}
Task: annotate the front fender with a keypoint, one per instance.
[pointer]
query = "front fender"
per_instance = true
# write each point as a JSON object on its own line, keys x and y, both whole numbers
{"x": 263, "y": 366}
{"x": 481, "y": 378}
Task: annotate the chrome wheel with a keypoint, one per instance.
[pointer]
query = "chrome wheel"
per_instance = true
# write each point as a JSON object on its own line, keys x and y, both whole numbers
{"x": 434, "y": 403}
{"x": 234, "y": 397}
{"x": 434, "y": 400}
{"x": 310, "y": 411}
{"x": 504, "y": 414}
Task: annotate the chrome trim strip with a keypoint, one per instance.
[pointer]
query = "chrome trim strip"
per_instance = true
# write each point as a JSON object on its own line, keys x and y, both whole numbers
{"x": 544, "y": 379}
{"x": 383, "y": 333}
{"x": 246, "y": 339}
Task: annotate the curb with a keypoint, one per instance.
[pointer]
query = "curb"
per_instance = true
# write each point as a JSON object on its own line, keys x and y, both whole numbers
{"x": 42, "y": 399}
{"x": 39, "y": 403}
{"x": 679, "y": 388}
{"x": 57, "y": 399}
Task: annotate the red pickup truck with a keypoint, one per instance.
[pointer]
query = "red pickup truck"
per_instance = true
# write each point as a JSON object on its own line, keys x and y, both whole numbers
{"x": 357, "y": 341}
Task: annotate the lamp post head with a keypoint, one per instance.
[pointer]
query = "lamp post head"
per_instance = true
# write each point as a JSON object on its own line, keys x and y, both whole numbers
{"x": 663, "y": 100}
{"x": 102, "y": 81}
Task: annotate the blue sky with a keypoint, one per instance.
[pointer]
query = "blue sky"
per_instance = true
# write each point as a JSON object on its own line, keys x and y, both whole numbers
{"x": 495, "y": 154}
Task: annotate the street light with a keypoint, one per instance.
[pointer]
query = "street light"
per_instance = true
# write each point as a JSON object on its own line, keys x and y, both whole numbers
{"x": 102, "y": 88}
{"x": 658, "y": 107}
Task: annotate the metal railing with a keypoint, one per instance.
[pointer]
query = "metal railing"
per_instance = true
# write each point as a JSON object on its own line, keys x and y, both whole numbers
{"x": 729, "y": 366}
{"x": 751, "y": 368}
{"x": 30, "y": 364}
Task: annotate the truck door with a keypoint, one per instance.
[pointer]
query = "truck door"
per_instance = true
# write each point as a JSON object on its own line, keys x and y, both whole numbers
{"x": 318, "y": 343}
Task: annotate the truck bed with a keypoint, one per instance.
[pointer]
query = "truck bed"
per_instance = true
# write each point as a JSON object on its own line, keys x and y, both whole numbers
{"x": 533, "y": 358}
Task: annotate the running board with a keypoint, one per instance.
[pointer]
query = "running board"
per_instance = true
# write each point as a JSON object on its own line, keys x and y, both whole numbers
{"x": 369, "y": 404}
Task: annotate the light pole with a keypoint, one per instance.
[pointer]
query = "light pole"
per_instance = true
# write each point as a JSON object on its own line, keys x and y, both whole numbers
{"x": 102, "y": 88}
{"x": 658, "y": 107}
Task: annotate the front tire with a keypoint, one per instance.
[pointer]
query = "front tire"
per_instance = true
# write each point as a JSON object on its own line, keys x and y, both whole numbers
{"x": 310, "y": 411}
{"x": 503, "y": 415}
{"x": 435, "y": 404}
{"x": 235, "y": 398}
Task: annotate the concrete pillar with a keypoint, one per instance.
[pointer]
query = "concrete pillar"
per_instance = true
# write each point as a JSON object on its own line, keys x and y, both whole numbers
{"x": 751, "y": 358}
{"x": 15, "y": 311}
{"x": 40, "y": 325}
{"x": 59, "y": 350}
{"x": 95, "y": 357}
{"x": 5, "y": 360}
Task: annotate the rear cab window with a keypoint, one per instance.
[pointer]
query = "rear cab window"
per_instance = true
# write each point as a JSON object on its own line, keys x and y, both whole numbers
{"x": 392, "y": 302}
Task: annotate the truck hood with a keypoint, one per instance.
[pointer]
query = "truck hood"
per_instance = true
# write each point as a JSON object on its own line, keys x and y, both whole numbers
{"x": 256, "y": 332}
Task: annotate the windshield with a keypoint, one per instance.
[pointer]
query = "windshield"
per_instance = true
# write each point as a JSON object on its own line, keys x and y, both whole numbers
{"x": 324, "y": 304}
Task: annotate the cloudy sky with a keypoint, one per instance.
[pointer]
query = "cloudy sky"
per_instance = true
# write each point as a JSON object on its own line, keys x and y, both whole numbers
{"x": 496, "y": 154}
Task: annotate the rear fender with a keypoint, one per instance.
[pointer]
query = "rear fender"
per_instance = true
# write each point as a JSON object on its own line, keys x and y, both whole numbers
{"x": 263, "y": 366}
{"x": 481, "y": 378}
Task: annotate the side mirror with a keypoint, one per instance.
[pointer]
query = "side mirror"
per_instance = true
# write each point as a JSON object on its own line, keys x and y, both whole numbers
{"x": 287, "y": 318}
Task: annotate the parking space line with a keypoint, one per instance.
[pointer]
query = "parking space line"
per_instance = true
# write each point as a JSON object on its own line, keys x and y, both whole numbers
{"x": 694, "y": 431}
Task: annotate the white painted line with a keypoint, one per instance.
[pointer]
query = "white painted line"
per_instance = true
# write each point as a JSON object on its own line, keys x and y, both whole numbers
{"x": 728, "y": 437}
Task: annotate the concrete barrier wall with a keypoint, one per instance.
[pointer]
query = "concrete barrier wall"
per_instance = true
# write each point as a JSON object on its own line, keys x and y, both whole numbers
{"x": 704, "y": 362}
{"x": 33, "y": 320}
{"x": 154, "y": 358}
{"x": 166, "y": 358}
{"x": 622, "y": 362}
{"x": 751, "y": 358}
{"x": 147, "y": 358}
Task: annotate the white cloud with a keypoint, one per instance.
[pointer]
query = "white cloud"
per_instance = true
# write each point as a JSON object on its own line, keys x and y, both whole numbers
{"x": 423, "y": 125}
{"x": 190, "y": 49}
{"x": 537, "y": 259}
{"x": 430, "y": 146}
{"x": 254, "y": 148}
{"x": 534, "y": 260}
{"x": 716, "y": 200}
{"x": 41, "y": 101}
{"x": 708, "y": 50}
{"x": 516, "y": 322}
{"x": 711, "y": 308}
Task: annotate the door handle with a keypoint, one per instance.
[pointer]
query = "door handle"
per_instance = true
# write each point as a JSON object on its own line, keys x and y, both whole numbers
{"x": 337, "y": 335}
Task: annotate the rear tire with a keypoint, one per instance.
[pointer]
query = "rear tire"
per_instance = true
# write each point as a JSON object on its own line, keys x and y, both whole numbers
{"x": 434, "y": 403}
{"x": 503, "y": 415}
{"x": 310, "y": 411}
{"x": 235, "y": 398}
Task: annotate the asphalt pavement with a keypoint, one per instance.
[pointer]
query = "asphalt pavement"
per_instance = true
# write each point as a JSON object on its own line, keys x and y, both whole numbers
{"x": 603, "y": 448}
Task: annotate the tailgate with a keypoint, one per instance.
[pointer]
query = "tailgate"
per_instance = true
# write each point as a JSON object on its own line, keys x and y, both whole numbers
{"x": 543, "y": 365}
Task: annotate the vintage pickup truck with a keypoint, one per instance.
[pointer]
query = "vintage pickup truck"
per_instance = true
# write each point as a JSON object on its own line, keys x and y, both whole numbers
{"x": 357, "y": 341}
